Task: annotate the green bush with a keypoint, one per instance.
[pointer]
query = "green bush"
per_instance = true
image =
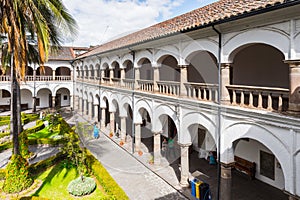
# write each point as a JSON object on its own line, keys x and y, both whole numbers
{"x": 106, "y": 181}
{"x": 4, "y": 118}
{"x": 4, "y": 122}
{"x": 50, "y": 141}
{"x": 17, "y": 176}
{"x": 5, "y": 146}
{"x": 4, "y": 134}
{"x": 81, "y": 186}
{"x": 23, "y": 144}
{"x": 39, "y": 126}
{"x": 2, "y": 174}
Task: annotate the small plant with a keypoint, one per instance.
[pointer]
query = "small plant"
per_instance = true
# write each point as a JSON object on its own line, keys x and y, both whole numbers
{"x": 121, "y": 143}
{"x": 81, "y": 186}
{"x": 111, "y": 134}
{"x": 140, "y": 153}
{"x": 151, "y": 160}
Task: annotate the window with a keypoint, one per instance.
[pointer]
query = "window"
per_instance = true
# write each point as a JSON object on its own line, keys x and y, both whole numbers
{"x": 5, "y": 93}
{"x": 65, "y": 97}
{"x": 267, "y": 165}
{"x": 37, "y": 101}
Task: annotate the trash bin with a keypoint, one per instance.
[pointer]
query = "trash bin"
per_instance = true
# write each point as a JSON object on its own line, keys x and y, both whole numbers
{"x": 195, "y": 187}
{"x": 205, "y": 193}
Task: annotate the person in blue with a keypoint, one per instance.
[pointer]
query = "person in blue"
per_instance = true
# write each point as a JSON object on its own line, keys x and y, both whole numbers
{"x": 96, "y": 131}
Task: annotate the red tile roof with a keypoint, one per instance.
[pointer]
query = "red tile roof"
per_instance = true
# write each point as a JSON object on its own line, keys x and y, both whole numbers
{"x": 200, "y": 17}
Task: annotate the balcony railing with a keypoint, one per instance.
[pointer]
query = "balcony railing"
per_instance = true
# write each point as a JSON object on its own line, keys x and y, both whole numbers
{"x": 4, "y": 78}
{"x": 146, "y": 85}
{"x": 169, "y": 87}
{"x": 62, "y": 78}
{"x": 116, "y": 82}
{"x": 128, "y": 83}
{"x": 259, "y": 97}
{"x": 106, "y": 80}
{"x": 44, "y": 78}
{"x": 202, "y": 91}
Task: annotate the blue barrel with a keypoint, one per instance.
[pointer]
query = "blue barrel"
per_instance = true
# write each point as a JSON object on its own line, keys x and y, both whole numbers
{"x": 193, "y": 187}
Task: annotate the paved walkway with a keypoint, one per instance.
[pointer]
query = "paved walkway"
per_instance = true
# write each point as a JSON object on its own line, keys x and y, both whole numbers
{"x": 138, "y": 181}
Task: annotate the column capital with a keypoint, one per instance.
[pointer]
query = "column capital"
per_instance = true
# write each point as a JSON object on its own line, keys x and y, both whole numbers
{"x": 183, "y": 65}
{"x": 227, "y": 165}
{"x": 185, "y": 145}
{"x": 293, "y": 63}
{"x": 157, "y": 132}
{"x": 123, "y": 117}
{"x": 226, "y": 65}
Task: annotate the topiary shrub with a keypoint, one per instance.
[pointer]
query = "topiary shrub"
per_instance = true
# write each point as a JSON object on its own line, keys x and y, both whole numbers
{"x": 23, "y": 144}
{"x": 17, "y": 175}
{"x": 81, "y": 186}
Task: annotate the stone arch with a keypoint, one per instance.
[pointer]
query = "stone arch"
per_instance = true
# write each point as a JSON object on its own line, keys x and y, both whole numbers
{"x": 143, "y": 55}
{"x": 264, "y": 136}
{"x": 200, "y": 45}
{"x": 189, "y": 119}
{"x": 138, "y": 106}
{"x": 114, "y": 103}
{"x": 65, "y": 86}
{"x": 127, "y": 57}
{"x": 160, "y": 110}
{"x": 125, "y": 100}
{"x": 272, "y": 38}
{"x": 168, "y": 50}
{"x": 104, "y": 96}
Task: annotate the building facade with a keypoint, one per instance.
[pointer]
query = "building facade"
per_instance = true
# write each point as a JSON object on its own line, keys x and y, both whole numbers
{"x": 224, "y": 78}
{"x": 227, "y": 72}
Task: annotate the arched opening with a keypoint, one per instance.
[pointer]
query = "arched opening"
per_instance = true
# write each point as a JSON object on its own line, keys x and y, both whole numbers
{"x": 260, "y": 66}
{"x": 202, "y": 68}
{"x": 267, "y": 171}
{"x": 128, "y": 65}
{"x": 62, "y": 71}
{"x": 106, "y": 70}
{"x": 116, "y": 69}
{"x": 146, "y": 71}
{"x": 146, "y": 133}
{"x": 129, "y": 122}
{"x": 44, "y": 98}
{"x": 26, "y": 99}
{"x": 92, "y": 71}
{"x": 86, "y": 69}
{"x": 29, "y": 71}
{"x": 46, "y": 72}
{"x": 107, "y": 114}
{"x": 169, "y": 70}
{"x": 4, "y": 100}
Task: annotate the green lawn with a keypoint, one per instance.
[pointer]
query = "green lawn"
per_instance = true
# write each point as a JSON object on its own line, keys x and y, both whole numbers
{"x": 55, "y": 183}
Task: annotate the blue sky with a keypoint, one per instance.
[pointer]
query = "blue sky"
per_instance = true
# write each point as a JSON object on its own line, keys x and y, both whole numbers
{"x": 101, "y": 20}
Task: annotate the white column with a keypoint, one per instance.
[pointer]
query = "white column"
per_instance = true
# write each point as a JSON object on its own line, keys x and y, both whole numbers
{"x": 184, "y": 165}
{"x": 53, "y": 101}
{"x": 122, "y": 76}
{"x": 138, "y": 139}
{"x": 155, "y": 78}
{"x": 102, "y": 72}
{"x": 156, "y": 148}
{"x": 112, "y": 123}
{"x": 137, "y": 77}
{"x": 183, "y": 80}
{"x": 53, "y": 74}
{"x": 123, "y": 128}
{"x": 225, "y": 80}
{"x": 89, "y": 112}
{"x": 96, "y": 113}
{"x": 294, "y": 96}
{"x": 111, "y": 76}
{"x": 103, "y": 118}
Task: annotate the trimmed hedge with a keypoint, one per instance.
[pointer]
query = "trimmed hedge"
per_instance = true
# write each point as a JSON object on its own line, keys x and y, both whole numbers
{"x": 4, "y": 134}
{"x": 81, "y": 187}
{"x": 2, "y": 174}
{"x": 106, "y": 181}
{"x": 39, "y": 126}
{"x": 50, "y": 141}
{"x": 5, "y": 146}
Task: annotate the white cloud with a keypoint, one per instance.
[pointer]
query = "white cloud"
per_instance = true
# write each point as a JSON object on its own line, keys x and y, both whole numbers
{"x": 117, "y": 16}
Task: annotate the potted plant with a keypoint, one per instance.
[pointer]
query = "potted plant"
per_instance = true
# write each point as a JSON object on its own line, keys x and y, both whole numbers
{"x": 111, "y": 134}
{"x": 140, "y": 152}
{"x": 121, "y": 143}
{"x": 151, "y": 160}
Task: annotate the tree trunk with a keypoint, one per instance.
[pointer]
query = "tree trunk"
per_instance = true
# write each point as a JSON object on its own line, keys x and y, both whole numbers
{"x": 14, "y": 130}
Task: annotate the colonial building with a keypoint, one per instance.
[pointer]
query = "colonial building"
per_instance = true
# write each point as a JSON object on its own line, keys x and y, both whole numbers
{"x": 223, "y": 78}
{"x": 51, "y": 88}
{"x": 228, "y": 72}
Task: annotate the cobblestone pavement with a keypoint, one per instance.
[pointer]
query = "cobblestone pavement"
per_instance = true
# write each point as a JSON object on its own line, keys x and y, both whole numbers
{"x": 139, "y": 182}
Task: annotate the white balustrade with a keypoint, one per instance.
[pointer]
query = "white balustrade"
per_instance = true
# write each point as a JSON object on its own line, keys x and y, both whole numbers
{"x": 146, "y": 85}
{"x": 63, "y": 78}
{"x": 4, "y": 78}
{"x": 44, "y": 78}
{"x": 128, "y": 83}
{"x": 168, "y": 87}
{"x": 106, "y": 80}
{"x": 202, "y": 91}
{"x": 116, "y": 82}
{"x": 259, "y": 97}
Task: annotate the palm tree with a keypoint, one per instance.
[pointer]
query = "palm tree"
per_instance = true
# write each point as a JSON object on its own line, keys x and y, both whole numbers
{"x": 24, "y": 21}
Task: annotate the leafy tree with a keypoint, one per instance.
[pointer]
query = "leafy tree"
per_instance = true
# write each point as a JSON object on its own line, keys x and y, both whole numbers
{"x": 26, "y": 23}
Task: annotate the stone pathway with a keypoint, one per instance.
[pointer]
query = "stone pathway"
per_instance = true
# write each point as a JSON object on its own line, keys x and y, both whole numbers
{"x": 138, "y": 181}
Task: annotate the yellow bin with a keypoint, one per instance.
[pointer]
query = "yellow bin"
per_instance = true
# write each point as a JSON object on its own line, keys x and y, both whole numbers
{"x": 198, "y": 189}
